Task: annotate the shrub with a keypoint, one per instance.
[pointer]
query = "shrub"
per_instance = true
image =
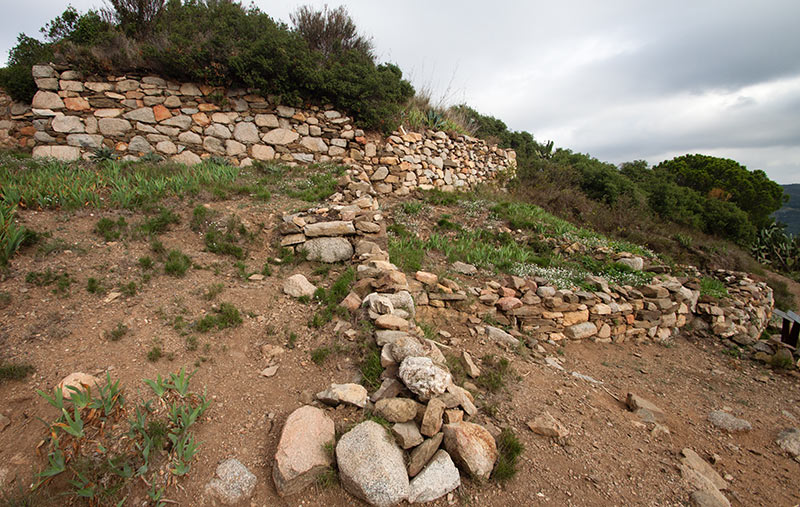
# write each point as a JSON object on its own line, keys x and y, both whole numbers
{"x": 177, "y": 263}
{"x": 329, "y": 31}
{"x": 223, "y": 44}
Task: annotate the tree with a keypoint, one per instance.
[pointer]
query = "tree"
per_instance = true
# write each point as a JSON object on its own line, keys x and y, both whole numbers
{"x": 724, "y": 179}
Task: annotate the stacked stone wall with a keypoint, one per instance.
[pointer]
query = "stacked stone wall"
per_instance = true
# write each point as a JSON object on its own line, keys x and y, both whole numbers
{"x": 74, "y": 116}
{"x": 16, "y": 124}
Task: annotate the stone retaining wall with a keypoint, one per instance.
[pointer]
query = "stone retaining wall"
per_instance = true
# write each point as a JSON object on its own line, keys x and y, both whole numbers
{"x": 658, "y": 311}
{"x": 515, "y": 307}
{"x": 134, "y": 116}
{"x": 16, "y": 127}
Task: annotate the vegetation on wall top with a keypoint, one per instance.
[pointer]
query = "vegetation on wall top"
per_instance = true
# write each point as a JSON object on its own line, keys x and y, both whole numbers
{"x": 321, "y": 59}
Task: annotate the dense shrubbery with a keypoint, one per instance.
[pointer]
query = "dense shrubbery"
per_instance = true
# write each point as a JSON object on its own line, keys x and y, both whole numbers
{"x": 714, "y": 195}
{"x": 222, "y": 43}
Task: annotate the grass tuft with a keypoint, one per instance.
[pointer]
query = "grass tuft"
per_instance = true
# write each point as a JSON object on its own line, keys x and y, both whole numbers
{"x": 509, "y": 449}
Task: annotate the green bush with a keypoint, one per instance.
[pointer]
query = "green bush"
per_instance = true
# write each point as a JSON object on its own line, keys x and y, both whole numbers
{"x": 222, "y": 44}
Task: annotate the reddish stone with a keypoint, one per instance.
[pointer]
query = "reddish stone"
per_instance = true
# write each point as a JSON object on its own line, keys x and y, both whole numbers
{"x": 161, "y": 113}
{"x": 27, "y": 131}
{"x": 207, "y": 107}
{"x": 507, "y": 292}
{"x": 361, "y": 140}
{"x": 508, "y": 303}
{"x": 201, "y": 119}
{"x": 76, "y": 103}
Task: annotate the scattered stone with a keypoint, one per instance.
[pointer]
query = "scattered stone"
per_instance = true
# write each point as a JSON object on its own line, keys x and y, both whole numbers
{"x": 694, "y": 462}
{"x": 424, "y": 378}
{"x": 301, "y": 454}
{"x": 396, "y": 410}
{"x": 499, "y": 336}
{"x": 233, "y": 482}
{"x": 389, "y": 388}
{"x": 407, "y": 435}
{"x": 270, "y": 371}
{"x": 422, "y": 454}
{"x": 352, "y": 394}
{"x": 437, "y": 479}
{"x": 472, "y": 447}
{"x": 79, "y": 381}
{"x": 371, "y": 465}
{"x": 464, "y": 268}
{"x": 298, "y": 286}
{"x": 469, "y": 366}
{"x": 789, "y": 441}
{"x": 645, "y": 409}
{"x": 708, "y": 498}
{"x": 547, "y": 425}
{"x": 728, "y": 422}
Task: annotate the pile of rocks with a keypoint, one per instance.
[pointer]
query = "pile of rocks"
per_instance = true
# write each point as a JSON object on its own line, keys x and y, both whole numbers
{"x": 743, "y": 315}
{"x": 417, "y": 397}
{"x": 325, "y": 233}
{"x": 134, "y": 115}
{"x": 531, "y": 306}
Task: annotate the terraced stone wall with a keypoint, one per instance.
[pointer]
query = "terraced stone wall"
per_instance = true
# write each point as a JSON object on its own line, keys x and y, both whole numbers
{"x": 133, "y": 116}
{"x": 16, "y": 127}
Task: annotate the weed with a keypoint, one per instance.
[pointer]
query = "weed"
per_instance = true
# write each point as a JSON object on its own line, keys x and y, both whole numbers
{"x": 177, "y": 263}
{"x": 713, "y": 288}
{"x": 291, "y": 342}
{"x": 159, "y": 223}
{"x": 509, "y": 449}
{"x": 5, "y": 299}
{"x": 782, "y": 361}
{"x": 322, "y": 270}
{"x": 266, "y": 270}
{"x": 200, "y": 216}
{"x": 191, "y": 343}
{"x": 48, "y": 277}
{"x": 129, "y": 289}
{"x": 223, "y": 243}
{"x": 117, "y": 333}
{"x": 157, "y": 247}
{"x": 439, "y": 198}
{"x": 93, "y": 286}
{"x": 493, "y": 374}
{"x": 328, "y": 478}
{"x": 371, "y": 416}
{"x": 734, "y": 352}
{"x": 371, "y": 368}
{"x": 320, "y": 354}
{"x": 55, "y": 245}
{"x": 224, "y": 317}
{"x": 154, "y": 354}
{"x": 15, "y": 371}
{"x": 444, "y": 223}
{"x": 318, "y": 186}
{"x": 213, "y": 291}
{"x": 146, "y": 262}
{"x": 305, "y": 299}
{"x": 411, "y": 208}
{"x": 111, "y": 230}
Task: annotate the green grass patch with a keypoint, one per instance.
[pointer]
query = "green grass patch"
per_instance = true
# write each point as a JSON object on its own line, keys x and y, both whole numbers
{"x": 411, "y": 207}
{"x": 117, "y": 333}
{"x": 62, "y": 280}
{"x": 154, "y": 354}
{"x": 213, "y": 290}
{"x": 317, "y": 186}
{"x": 371, "y": 368}
{"x": 509, "y": 449}
{"x": 14, "y": 371}
{"x": 94, "y": 286}
{"x": 320, "y": 354}
{"x": 331, "y": 298}
{"x": 40, "y": 183}
{"x": 227, "y": 315}
{"x": 177, "y": 263}
{"x": 111, "y": 230}
{"x": 494, "y": 373}
{"x": 160, "y": 223}
{"x": 713, "y": 288}
{"x": 146, "y": 263}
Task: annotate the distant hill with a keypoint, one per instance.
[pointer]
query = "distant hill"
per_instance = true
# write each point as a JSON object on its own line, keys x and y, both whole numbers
{"x": 789, "y": 214}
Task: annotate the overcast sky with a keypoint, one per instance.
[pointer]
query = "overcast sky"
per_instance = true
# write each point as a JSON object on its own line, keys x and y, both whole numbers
{"x": 620, "y": 80}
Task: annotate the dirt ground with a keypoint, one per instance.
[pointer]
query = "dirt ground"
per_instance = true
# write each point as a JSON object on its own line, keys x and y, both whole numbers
{"x": 609, "y": 458}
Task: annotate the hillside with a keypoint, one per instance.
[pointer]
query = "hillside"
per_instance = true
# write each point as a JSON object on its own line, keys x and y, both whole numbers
{"x": 242, "y": 263}
{"x": 197, "y": 281}
{"x": 789, "y": 213}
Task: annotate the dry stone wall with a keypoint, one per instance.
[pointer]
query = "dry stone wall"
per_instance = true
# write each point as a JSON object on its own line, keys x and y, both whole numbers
{"x": 73, "y": 116}
{"x": 16, "y": 127}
